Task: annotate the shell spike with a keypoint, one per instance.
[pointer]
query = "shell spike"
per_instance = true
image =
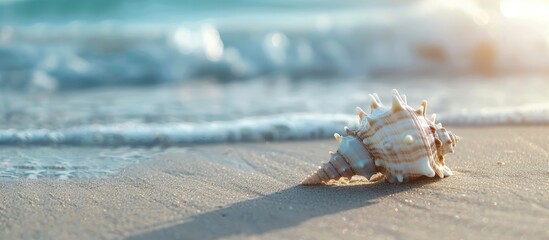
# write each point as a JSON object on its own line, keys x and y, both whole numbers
{"x": 439, "y": 172}
{"x": 338, "y": 137}
{"x": 395, "y": 93}
{"x": 361, "y": 113}
{"x": 397, "y": 104}
{"x": 433, "y": 118}
{"x": 375, "y": 104}
{"x": 403, "y": 96}
{"x": 348, "y": 131}
{"x": 377, "y": 99}
{"x": 447, "y": 172}
{"x": 424, "y": 105}
{"x": 420, "y": 110}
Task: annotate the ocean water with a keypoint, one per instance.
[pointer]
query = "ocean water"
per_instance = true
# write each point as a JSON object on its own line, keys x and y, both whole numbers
{"x": 90, "y": 87}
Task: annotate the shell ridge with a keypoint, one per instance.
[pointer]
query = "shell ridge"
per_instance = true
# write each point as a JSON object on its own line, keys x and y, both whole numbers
{"x": 350, "y": 165}
{"x": 337, "y": 174}
{"x": 423, "y": 135}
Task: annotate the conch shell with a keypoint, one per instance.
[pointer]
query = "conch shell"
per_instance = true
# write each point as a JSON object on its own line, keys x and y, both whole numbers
{"x": 398, "y": 141}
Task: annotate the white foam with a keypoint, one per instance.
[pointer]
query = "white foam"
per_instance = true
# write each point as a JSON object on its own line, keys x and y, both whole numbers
{"x": 269, "y": 128}
{"x": 291, "y": 126}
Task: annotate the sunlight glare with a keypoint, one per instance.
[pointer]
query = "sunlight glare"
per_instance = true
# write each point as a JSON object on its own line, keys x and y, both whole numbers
{"x": 533, "y": 10}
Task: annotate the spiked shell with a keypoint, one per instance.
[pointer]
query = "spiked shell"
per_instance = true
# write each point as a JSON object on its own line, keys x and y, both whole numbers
{"x": 398, "y": 141}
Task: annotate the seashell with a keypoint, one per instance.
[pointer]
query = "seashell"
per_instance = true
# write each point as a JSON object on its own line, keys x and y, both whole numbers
{"x": 398, "y": 141}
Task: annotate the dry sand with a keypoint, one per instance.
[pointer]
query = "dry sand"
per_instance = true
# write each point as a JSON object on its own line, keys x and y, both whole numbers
{"x": 500, "y": 191}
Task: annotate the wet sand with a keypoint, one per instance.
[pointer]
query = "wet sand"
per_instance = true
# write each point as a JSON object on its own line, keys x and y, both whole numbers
{"x": 500, "y": 191}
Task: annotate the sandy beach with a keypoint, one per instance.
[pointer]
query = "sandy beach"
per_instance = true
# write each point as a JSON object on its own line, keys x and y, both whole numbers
{"x": 500, "y": 190}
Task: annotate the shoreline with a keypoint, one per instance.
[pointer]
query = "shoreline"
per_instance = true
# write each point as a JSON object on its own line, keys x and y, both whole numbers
{"x": 251, "y": 190}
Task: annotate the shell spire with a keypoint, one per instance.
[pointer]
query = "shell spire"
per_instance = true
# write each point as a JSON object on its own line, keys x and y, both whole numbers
{"x": 350, "y": 159}
{"x": 398, "y": 141}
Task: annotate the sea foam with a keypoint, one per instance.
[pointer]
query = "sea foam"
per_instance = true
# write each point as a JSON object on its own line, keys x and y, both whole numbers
{"x": 305, "y": 126}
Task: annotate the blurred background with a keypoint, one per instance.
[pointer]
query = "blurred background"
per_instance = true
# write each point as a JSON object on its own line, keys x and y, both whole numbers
{"x": 167, "y": 72}
{"x": 62, "y": 45}
{"x": 70, "y": 63}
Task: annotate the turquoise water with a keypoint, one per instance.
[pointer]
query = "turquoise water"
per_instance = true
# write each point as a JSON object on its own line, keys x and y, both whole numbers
{"x": 73, "y": 45}
{"x": 134, "y": 10}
